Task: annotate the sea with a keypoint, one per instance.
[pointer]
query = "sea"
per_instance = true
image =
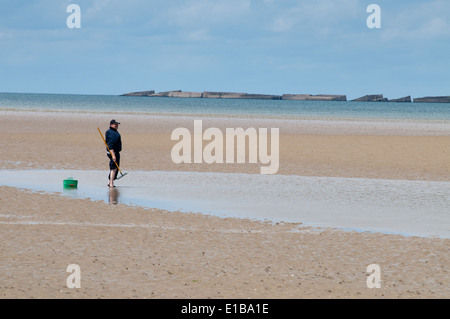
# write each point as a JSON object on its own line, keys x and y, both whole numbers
{"x": 439, "y": 112}
{"x": 404, "y": 207}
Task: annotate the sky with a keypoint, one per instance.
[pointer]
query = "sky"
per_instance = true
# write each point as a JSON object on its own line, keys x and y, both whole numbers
{"x": 252, "y": 46}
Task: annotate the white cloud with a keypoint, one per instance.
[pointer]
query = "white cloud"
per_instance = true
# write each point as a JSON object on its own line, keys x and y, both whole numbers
{"x": 313, "y": 16}
{"x": 425, "y": 21}
{"x": 199, "y": 35}
{"x": 97, "y": 6}
{"x": 207, "y": 12}
{"x": 282, "y": 24}
{"x": 6, "y": 35}
{"x": 436, "y": 27}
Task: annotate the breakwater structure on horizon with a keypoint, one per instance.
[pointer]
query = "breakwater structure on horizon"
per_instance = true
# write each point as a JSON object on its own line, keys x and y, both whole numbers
{"x": 302, "y": 97}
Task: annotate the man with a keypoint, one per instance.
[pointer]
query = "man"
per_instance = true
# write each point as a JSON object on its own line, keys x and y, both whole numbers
{"x": 114, "y": 141}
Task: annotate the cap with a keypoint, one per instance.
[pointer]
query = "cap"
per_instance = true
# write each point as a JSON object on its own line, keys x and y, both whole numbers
{"x": 113, "y": 122}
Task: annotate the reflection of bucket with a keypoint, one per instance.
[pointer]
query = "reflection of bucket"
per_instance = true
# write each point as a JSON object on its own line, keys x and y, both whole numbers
{"x": 70, "y": 183}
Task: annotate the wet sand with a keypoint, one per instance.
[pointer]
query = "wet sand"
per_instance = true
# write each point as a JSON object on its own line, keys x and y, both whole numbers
{"x": 128, "y": 252}
{"x": 308, "y": 148}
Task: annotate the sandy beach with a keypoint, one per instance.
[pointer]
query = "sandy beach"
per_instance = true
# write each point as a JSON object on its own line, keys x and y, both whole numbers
{"x": 131, "y": 252}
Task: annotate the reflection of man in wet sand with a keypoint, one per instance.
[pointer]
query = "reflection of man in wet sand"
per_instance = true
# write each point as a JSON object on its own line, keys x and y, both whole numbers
{"x": 113, "y": 196}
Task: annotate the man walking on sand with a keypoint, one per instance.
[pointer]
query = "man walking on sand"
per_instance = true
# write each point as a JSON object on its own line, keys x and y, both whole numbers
{"x": 114, "y": 141}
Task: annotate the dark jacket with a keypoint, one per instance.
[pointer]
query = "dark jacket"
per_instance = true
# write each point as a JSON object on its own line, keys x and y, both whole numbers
{"x": 113, "y": 140}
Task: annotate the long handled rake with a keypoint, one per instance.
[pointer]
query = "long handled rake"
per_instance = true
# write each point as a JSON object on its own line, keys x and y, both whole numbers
{"x": 121, "y": 174}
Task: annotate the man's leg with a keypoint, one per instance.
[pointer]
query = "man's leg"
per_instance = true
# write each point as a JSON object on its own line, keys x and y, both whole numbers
{"x": 112, "y": 177}
{"x": 112, "y": 171}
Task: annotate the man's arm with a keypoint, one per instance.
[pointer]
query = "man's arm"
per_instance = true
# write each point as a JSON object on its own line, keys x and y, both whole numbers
{"x": 113, "y": 154}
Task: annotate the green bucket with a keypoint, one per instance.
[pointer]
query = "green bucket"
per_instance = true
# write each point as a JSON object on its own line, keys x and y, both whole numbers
{"x": 70, "y": 183}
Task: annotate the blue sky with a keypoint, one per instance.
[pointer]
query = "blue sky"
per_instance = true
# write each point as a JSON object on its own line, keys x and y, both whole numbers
{"x": 253, "y": 46}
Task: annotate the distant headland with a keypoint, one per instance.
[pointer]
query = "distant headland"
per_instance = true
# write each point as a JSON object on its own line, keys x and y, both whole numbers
{"x": 303, "y": 97}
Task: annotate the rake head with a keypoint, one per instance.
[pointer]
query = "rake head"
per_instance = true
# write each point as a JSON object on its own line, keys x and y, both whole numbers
{"x": 121, "y": 175}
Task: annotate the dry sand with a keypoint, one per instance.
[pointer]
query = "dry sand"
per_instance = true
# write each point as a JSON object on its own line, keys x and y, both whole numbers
{"x": 127, "y": 252}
